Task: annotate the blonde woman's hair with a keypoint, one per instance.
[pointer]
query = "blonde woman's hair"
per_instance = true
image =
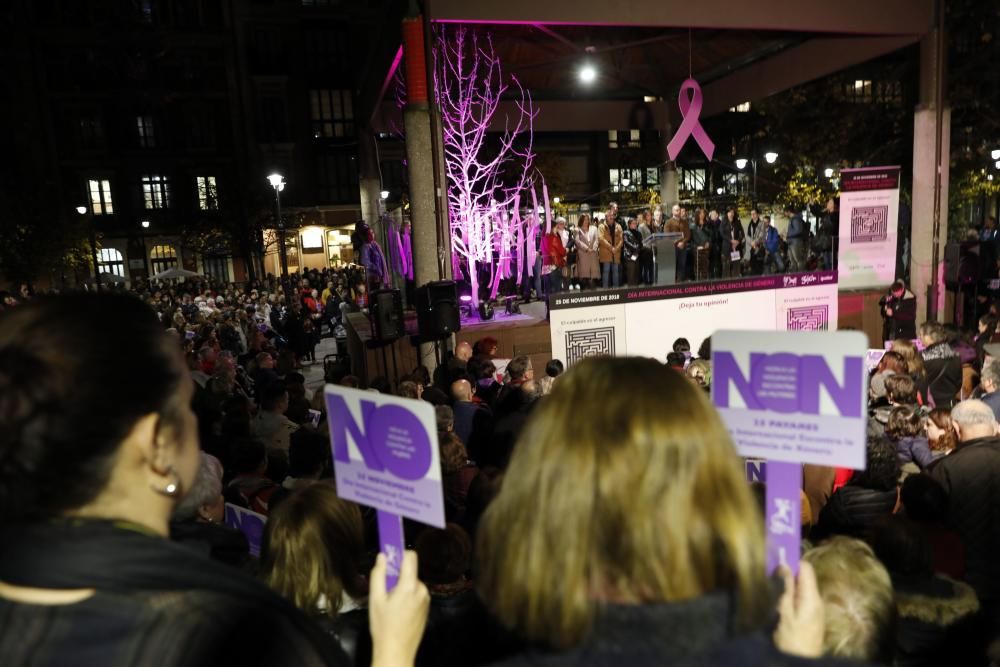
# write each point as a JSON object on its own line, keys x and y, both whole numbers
{"x": 911, "y": 355}
{"x": 629, "y": 503}
{"x": 858, "y": 600}
{"x": 313, "y": 549}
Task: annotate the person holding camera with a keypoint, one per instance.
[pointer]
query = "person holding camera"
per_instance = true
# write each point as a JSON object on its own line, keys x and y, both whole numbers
{"x": 899, "y": 313}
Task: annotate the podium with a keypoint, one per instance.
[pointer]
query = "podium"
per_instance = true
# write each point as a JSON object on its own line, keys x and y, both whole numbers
{"x": 664, "y": 259}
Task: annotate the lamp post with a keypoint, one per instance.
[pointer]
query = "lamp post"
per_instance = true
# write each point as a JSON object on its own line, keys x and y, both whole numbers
{"x": 770, "y": 157}
{"x": 277, "y": 182}
{"x": 145, "y": 253}
{"x": 82, "y": 210}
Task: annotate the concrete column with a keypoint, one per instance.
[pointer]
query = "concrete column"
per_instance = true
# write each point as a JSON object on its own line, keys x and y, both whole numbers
{"x": 930, "y": 163}
{"x": 669, "y": 188}
{"x": 420, "y": 164}
{"x": 369, "y": 181}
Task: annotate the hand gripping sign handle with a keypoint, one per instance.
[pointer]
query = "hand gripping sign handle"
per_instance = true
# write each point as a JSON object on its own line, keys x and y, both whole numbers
{"x": 783, "y": 515}
{"x": 392, "y": 544}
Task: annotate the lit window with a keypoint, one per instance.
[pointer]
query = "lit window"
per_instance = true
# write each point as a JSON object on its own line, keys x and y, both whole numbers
{"x": 332, "y": 113}
{"x": 162, "y": 257}
{"x": 692, "y": 179}
{"x": 147, "y": 135}
{"x": 743, "y": 107}
{"x": 110, "y": 261}
{"x": 156, "y": 191}
{"x": 208, "y": 198}
{"x": 624, "y": 138}
{"x": 100, "y": 197}
{"x": 859, "y": 91}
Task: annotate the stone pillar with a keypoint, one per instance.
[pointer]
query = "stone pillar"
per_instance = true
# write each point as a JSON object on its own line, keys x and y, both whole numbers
{"x": 420, "y": 165}
{"x": 930, "y": 163}
{"x": 669, "y": 188}
{"x": 369, "y": 183}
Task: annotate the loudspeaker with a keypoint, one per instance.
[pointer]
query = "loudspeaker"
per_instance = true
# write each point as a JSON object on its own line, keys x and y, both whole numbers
{"x": 437, "y": 310}
{"x": 387, "y": 315}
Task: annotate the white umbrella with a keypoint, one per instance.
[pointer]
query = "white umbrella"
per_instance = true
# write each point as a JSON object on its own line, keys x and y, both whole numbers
{"x": 175, "y": 273}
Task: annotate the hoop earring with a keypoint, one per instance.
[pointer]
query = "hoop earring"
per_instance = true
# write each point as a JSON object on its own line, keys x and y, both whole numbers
{"x": 173, "y": 487}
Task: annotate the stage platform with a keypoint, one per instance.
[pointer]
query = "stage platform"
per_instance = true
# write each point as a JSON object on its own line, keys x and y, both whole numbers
{"x": 529, "y": 333}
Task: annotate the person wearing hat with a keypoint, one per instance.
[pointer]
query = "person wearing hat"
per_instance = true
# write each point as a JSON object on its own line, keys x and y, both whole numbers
{"x": 554, "y": 257}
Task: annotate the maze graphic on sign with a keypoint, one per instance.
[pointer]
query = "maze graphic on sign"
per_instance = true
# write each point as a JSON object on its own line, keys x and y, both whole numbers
{"x": 809, "y": 318}
{"x": 869, "y": 224}
{"x": 584, "y": 343}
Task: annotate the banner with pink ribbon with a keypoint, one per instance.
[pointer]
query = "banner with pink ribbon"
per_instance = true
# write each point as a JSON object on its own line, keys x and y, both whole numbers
{"x": 691, "y": 123}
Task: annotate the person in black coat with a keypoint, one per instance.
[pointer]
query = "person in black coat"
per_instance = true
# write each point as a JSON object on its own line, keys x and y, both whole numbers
{"x": 899, "y": 313}
{"x": 942, "y": 364}
{"x": 869, "y": 498}
{"x": 969, "y": 476}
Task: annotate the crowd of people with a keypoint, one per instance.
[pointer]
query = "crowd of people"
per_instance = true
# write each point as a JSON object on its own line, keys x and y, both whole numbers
{"x": 616, "y": 250}
{"x": 626, "y": 534}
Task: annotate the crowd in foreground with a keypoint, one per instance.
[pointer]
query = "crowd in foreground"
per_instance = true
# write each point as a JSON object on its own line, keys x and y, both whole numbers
{"x": 627, "y": 534}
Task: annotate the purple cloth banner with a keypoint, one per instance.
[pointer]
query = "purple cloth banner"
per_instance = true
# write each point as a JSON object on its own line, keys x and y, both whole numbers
{"x": 392, "y": 544}
{"x": 784, "y": 514}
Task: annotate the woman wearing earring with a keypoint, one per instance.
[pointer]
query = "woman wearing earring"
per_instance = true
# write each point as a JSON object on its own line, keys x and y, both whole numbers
{"x": 98, "y": 445}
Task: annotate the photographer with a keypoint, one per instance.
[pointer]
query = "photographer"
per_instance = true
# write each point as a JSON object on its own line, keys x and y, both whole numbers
{"x": 899, "y": 313}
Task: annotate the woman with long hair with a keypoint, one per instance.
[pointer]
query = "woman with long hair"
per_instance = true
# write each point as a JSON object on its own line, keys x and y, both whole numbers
{"x": 634, "y": 539}
{"x": 313, "y": 555}
{"x": 907, "y": 349}
{"x": 98, "y": 446}
{"x": 701, "y": 241}
{"x": 940, "y": 433}
{"x": 588, "y": 269}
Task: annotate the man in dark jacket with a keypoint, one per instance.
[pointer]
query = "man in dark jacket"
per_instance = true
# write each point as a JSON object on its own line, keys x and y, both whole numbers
{"x": 796, "y": 237}
{"x": 899, "y": 313}
{"x": 942, "y": 363}
{"x": 969, "y": 476}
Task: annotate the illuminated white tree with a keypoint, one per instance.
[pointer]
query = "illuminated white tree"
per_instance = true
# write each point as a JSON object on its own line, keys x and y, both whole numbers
{"x": 485, "y": 182}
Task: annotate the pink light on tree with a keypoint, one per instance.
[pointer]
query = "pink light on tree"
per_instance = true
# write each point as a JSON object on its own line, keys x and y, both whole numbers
{"x": 484, "y": 181}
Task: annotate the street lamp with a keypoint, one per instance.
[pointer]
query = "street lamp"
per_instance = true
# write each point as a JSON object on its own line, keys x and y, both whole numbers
{"x": 277, "y": 182}
{"x": 770, "y": 157}
{"x": 555, "y": 200}
{"x": 82, "y": 210}
{"x": 995, "y": 154}
{"x": 384, "y": 194}
{"x": 828, "y": 172}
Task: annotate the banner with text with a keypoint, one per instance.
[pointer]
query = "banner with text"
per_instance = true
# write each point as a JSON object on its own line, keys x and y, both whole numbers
{"x": 644, "y": 321}
{"x": 869, "y": 219}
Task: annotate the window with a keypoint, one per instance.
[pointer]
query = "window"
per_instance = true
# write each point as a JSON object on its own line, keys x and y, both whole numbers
{"x": 743, "y": 107}
{"x": 889, "y": 92}
{"x": 201, "y": 127}
{"x": 147, "y": 135}
{"x": 692, "y": 179}
{"x": 626, "y": 179}
{"x": 156, "y": 191}
{"x": 273, "y": 121}
{"x": 217, "y": 268}
{"x": 328, "y": 54}
{"x": 100, "y": 197}
{"x": 859, "y": 90}
{"x": 110, "y": 261}
{"x": 162, "y": 257}
{"x": 89, "y": 131}
{"x": 337, "y": 178}
{"x": 624, "y": 138}
{"x": 208, "y": 198}
{"x": 332, "y": 113}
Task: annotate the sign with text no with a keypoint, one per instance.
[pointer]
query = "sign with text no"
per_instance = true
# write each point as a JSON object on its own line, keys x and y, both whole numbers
{"x": 385, "y": 455}
{"x": 791, "y": 398}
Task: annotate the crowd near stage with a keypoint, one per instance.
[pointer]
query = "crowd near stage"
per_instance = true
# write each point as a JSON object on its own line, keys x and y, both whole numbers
{"x": 640, "y": 320}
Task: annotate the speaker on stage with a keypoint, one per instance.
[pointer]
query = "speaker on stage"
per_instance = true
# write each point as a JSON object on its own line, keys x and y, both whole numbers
{"x": 437, "y": 310}
{"x": 387, "y": 315}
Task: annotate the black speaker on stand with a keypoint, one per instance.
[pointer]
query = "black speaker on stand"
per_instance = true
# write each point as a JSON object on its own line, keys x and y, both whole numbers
{"x": 387, "y": 315}
{"x": 437, "y": 310}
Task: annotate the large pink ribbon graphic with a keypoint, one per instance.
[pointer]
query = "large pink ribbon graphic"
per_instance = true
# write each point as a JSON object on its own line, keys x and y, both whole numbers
{"x": 691, "y": 125}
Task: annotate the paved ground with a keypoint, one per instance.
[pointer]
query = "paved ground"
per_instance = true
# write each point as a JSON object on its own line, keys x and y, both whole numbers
{"x": 314, "y": 371}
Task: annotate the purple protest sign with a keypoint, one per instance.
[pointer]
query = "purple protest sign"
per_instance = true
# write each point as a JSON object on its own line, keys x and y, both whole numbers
{"x": 797, "y": 396}
{"x": 385, "y": 455}
{"x": 691, "y": 123}
{"x": 249, "y": 523}
{"x": 784, "y": 515}
{"x": 391, "y": 543}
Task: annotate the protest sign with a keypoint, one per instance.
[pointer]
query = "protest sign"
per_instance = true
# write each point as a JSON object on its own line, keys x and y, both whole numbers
{"x": 791, "y": 398}
{"x": 249, "y": 523}
{"x": 385, "y": 455}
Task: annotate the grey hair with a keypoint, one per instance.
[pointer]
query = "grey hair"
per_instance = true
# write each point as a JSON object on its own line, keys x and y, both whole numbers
{"x": 991, "y": 374}
{"x": 934, "y": 331}
{"x": 207, "y": 487}
{"x": 973, "y": 412}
